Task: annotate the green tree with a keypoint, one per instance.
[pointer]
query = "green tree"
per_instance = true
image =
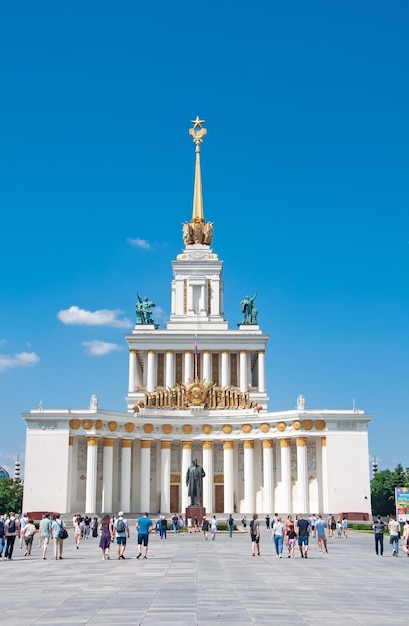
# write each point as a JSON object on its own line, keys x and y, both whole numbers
{"x": 383, "y": 489}
{"x": 11, "y": 495}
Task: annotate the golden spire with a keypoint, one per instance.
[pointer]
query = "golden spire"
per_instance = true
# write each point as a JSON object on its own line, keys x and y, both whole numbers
{"x": 198, "y": 132}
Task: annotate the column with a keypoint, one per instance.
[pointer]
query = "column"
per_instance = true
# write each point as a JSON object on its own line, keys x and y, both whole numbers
{"x": 188, "y": 366}
{"x": 91, "y": 486}
{"x": 302, "y": 474}
{"x": 207, "y": 366}
{"x": 151, "y": 373}
{"x": 71, "y": 475}
{"x": 225, "y": 374}
{"x": 228, "y": 470}
{"x": 186, "y": 463}
{"x": 244, "y": 381}
{"x": 208, "y": 480}
{"x": 268, "y": 478}
{"x": 165, "y": 447}
{"x": 126, "y": 450}
{"x": 324, "y": 475}
{"x": 249, "y": 494}
{"x": 145, "y": 475}
{"x": 132, "y": 371}
{"x": 262, "y": 371}
{"x": 170, "y": 370}
{"x": 285, "y": 445}
{"x": 107, "y": 473}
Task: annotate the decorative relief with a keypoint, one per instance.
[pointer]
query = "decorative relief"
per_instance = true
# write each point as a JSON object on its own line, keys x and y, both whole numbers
{"x": 82, "y": 455}
{"x": 175, "y": 478}
{"x": 147, "y": 428}
{"x": 227, "y": 429}
{"x": 307, "y": 424}
{"x": 167, "y": 429}
{"x": 246, "y": 428}
{"x": 265, "y": 428}
{"x": 312, "y": 457}
{"x": 347, "y": 426}
{"x": 75, "y": 424}
{"x": 187, "y": 429}
{"x": 44, "y": 425}
{"x": 87, "y": 424}
{"x": 293, "y": 459}
{"x": 129, "y": 427}
{"x": 320, "y": 424}
{"x": 112, "y": 426}
{"x": 198, "y": 393}
{"x": 296, "y": 424}
{"x": 219, "y": 478}
{"x": 281, "y": 426}
{"x": 207, "y": 429}
{"x": 98, "y": 424}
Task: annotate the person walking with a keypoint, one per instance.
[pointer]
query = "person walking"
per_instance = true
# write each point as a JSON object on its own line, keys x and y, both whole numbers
{"x": 267, "y": 522}
{"x": 379, "y": 528}
{"x": 11, "y": 531}
{"x": 255, "y": 535}
{"x": 320, "y": 527}
{"x": 163, "y": 527}
{"x": 77, "y": 530}
{"x": 56, "y": 525}
{"x": 345, "y": 527}
{"x": 144, "y": 526}
{"x": 303, "y": 528}
{"x": 106, "y": 530}
{"x": 121, "y": 530}
{"x": 213, "y": 527}
{"x": 205, "y": 527}
{"x": 230, "y": 523}
{"x": 45, "y": 532}
{"x": 290, "y": 536}
{"x": 28, "y": 536}
{"x": 394, "y": 534}
{"x": 278, "y": 537}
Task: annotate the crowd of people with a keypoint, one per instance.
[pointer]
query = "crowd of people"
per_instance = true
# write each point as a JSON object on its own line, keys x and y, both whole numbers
{"x": 286, "y": 534}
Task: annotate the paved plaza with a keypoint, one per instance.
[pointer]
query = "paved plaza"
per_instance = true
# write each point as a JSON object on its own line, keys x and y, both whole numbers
{"x": 188, "y": 581}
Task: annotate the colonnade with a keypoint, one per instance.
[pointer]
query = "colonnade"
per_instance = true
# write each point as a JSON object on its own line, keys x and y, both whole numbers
{"x": 146, "y": 377}
{"x": 253, "y": 466}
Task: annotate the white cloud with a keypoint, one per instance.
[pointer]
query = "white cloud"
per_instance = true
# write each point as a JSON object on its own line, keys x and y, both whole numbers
{"x": 21, "y": 359}
{"x": 140, "y": 243}
{"x": 104, "y": 317}
{"x": 3, "y": 341}
{"x": 100, "y": 348}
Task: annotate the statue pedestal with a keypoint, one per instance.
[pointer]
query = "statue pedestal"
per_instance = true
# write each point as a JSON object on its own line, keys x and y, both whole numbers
{"x": 195, "y": 511}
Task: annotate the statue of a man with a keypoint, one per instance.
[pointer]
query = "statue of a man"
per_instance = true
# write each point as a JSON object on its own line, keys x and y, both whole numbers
{"x": 300, "y": 402}
{"x": 194, "y": 481}
{"x": 247, "y": 307}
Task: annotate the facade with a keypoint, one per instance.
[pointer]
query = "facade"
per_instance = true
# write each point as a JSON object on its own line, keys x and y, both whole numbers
{"x": 197, "y": 389}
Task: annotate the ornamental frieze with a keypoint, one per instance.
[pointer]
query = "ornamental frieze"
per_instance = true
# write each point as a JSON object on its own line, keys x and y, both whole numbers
{"x": 198, "y": 393}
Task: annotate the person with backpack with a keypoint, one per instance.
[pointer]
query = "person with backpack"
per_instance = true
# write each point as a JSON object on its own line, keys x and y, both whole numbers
{"x": 28, "y": 535}
{"x": 11, "y": 531}
{"x": 57, "y": 525}
{"x": 230, "y": 522}
{"x": 121, "y": 530}
{"x": 255, "y": 535}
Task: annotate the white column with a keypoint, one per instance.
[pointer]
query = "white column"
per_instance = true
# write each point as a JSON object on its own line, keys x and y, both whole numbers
{"x": 302, "y": 474}
{"x": 324, "y": 465}
{"x": 228, "y": 471}
{"x": 165, "y": 476}
{"x": 186, "y": 463}
{"x": 145, "y": 475}
{"x": 126, "y": 449}
{"x": 208, "y": 480}
{"x": 249, "y": 494}
{"x": 268, "y": 478}
{"x": 91, "y": 486}
{"x": 188, "y": 366}
{"x": 262, "y": 371}
{"x": 207, "y": 366}
{"x": 225, "y": 377}
{"x": 132, "y": 371}
{"x": 151, "y": 374}
{"x": 70, "y": 473}
{"x": 244, "y": 381}
{"x": 107, "y": 474}
{"x": 170, "y": 370}
{"x": 285, "y": 445}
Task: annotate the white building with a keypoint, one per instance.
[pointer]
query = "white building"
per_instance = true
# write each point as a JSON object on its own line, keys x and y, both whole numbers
{"x": 197, "y": 389}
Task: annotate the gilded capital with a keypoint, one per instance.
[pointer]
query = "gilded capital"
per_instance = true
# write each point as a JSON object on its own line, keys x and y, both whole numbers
{"x": 301, "y": 442}
{"x": 207, "y": 445}
{"x": 126, "y": 443}
{"x": 248, "y": 444}
{"x": 70, "y": 440}
{"x": 228, "y": 445}
{"x": 268, "y": 443}
{"x": 323, "y": 441}
{"x": 108, "y": 442}
{"x": 285, "y": 443}
{"x": 165, "y": 445}
{"x": 146, "y": 443}
{"x": 92, "y": 441}
{"x": 186, "y": 445}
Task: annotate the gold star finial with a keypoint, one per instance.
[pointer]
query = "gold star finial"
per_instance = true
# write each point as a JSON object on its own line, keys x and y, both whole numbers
{"x": 197, "y": 132}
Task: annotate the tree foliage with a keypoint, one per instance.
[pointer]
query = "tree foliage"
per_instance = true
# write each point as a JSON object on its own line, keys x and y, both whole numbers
{"x": 383, "y": 489}
{"x": 11, "y": 495}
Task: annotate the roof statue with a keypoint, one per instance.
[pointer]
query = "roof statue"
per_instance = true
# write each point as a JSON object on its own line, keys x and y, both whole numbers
{"x": 197, "y": 231}
{"x": 143, "y": 311}
{"x": 248, "y": 308}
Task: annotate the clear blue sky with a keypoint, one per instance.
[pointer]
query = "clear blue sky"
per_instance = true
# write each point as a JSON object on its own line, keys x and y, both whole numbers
{"x": 305, "y": 174}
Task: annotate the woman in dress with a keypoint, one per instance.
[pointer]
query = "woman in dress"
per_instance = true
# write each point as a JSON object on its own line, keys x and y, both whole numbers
{"x": 106, "y": 535}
